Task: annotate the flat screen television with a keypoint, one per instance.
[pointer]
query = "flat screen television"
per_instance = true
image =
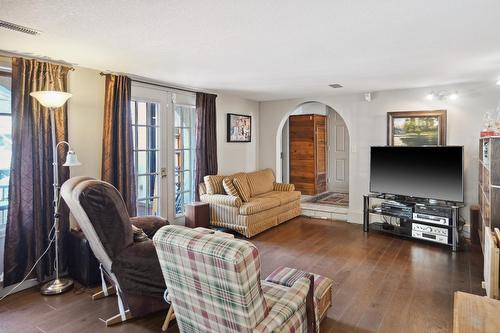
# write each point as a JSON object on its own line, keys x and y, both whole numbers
{"x": 422, "y": 172}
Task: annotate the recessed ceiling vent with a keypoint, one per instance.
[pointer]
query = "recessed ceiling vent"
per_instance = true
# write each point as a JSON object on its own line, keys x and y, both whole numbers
{"x": 18, "y": 28}
{"x": 335, "y": 85}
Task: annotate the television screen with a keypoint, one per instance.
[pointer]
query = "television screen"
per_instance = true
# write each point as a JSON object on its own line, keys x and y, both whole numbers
{"x": 422, "y": 172}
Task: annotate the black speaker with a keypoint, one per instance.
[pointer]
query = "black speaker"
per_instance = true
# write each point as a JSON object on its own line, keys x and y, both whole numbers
{"x": 82, "y": 264}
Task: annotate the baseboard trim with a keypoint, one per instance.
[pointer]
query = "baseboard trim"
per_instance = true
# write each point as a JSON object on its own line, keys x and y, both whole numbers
{"x": 25, "y": 285}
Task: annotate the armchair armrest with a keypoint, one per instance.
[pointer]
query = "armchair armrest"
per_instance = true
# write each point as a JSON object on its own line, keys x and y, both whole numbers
{"x": 283, "y": 187}
{"x": 286, "y": 307}
{"x": 221, "y": 199}
{"x": 149, "y": 224}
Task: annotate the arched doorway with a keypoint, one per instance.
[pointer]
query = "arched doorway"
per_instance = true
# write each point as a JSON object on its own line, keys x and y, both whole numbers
{"x": 337, "y": 152}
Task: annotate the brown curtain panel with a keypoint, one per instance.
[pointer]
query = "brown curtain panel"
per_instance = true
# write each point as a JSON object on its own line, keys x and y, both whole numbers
{"x": 30, "y": 216}
{"x": 206, "y": 138}
{"x": 117, "y": 144}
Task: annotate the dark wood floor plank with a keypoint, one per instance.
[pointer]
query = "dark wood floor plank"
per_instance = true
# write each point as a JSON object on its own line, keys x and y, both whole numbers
{"x": 381, "y": 284}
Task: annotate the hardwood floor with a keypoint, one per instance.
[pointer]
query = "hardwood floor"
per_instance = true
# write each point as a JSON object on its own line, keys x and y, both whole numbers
{"x": 382, "y": 284}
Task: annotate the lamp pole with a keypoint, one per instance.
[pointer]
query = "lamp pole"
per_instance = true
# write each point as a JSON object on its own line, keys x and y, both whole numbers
{"x": 53, "y": 100}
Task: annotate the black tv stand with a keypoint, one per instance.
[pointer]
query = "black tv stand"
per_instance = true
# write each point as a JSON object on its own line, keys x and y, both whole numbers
{"x": 414, "y": 227}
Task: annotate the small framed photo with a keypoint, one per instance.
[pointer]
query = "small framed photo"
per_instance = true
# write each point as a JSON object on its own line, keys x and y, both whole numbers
{"x": 416, "y": 128}
{"x": 239, "y": 128}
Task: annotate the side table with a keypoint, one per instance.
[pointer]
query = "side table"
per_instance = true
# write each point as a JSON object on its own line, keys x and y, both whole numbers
{"x": 197, "y": 215}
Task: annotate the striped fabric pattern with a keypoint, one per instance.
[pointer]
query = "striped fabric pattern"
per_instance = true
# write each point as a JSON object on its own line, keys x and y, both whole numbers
{"x": 283, "y": 187}
{"x": 213, "y": 184}
{"x": 249, "y": 225}
{"x": 241, "y": 183}
{"x": 214, "y": 285}
{"x": 221, "y": 199}
{"x": 257, "y": 205}
{"x": 227, "y": 183}
{"x": 260, "y": 181}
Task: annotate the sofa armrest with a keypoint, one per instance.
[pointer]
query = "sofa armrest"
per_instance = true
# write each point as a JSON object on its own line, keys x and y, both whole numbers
{"x": 149, "y": 224}
{"x": 286, "y": 307}
{"x": 221, "y": 199}
{"x": 283, "y": 187}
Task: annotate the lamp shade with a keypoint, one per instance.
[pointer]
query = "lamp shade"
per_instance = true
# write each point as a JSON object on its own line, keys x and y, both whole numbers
{"x": 71, "y": 159}
{"x": 51, "y": 98}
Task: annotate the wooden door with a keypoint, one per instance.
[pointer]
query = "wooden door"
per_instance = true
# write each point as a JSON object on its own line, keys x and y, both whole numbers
{"x": 308, "y": 155}
{"x": 321, "y": 153}
{"x": 302, "y": 152}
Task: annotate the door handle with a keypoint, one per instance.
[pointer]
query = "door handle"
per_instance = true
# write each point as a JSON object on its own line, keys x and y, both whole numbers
{"x": 163, "y": 172}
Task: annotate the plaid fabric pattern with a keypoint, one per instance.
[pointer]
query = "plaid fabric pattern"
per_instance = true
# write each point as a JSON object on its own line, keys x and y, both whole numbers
{"x": 288, "y": 311}
{"x": 214, "y": 285}
{"x": 241, "y": 183}
{"x": 227, "y": 183}
{"x": 260, "y": 182}
{"x": 213, "y": 184}
{"x": 283, "y": 187}
{"x": 286, "y": 276}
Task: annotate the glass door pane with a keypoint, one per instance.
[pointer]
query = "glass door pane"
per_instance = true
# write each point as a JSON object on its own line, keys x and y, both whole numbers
{"x": 5, "y": 157}
{"x": 145, "y": 130}
{"x": 184, "y": 155}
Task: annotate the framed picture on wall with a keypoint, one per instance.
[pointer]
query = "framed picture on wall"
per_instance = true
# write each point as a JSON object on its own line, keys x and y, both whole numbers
{"x": 416, "y": 128}
{"x": 239, "y": 128}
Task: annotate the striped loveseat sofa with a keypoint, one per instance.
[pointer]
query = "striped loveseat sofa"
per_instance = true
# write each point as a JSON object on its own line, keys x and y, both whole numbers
{"x": 249, "y": 203}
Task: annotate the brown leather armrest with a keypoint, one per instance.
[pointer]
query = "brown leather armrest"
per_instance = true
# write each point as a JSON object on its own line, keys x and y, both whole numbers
{"x": 149, "y": 224}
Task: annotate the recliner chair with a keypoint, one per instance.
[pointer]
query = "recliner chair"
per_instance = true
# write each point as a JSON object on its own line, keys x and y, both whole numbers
{"x": 214, "y": 285}
{"x": 131, "y": 267}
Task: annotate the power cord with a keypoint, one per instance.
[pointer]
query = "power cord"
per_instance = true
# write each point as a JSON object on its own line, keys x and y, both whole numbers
{"x": 51, "y": 240}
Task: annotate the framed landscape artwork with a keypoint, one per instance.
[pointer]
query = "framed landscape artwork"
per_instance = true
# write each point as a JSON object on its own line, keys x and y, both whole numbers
{"x": 416, "y": 128}
{"x": 239, "y": 128}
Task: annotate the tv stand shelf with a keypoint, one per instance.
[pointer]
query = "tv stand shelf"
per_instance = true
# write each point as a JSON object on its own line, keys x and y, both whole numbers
{"x": 404, "y": 226}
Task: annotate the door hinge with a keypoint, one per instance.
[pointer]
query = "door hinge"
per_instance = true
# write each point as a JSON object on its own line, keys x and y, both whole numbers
{"x": 163, "y": 172}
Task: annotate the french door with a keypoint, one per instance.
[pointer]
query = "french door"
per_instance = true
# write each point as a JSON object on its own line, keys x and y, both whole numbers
{"x": 163, "y": 134}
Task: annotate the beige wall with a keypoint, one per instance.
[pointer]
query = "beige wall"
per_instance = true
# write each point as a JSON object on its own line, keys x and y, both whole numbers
{"x": 366, "y": 122}
{"x": 85, "y": 116}
{"x": 235, "y": 157}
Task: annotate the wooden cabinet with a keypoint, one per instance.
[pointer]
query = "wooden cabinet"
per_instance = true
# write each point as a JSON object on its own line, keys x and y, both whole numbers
{"x": 308, "y": 153}
{"x": 489, "y": 184}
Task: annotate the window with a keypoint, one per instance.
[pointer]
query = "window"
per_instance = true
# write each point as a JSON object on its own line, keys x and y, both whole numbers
{"x": 145, "y": 129}
{"x": 184, "y": 131}
{"x": 5, "y": 155}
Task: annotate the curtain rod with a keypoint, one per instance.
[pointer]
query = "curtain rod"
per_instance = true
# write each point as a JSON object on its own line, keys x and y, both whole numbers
{"x": 8, "y": 54}
{"x": 157, "y": 84}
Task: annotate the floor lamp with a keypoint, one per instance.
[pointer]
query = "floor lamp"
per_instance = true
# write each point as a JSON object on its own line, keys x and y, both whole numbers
{"x": 53, "y": 100}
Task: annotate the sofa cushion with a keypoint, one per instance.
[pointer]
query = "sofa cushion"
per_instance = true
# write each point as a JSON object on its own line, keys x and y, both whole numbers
{"x": 241, "y": 183}
{"x": 257, "y": 205}
{"x": 261, "y": 181}
{"x": 228, "y": 185}
{"x": 213, "y": 184}
{"x": 283, "y": 197}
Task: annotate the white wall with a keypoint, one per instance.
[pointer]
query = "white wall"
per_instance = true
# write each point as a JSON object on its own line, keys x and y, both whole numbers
{"x": 232, "y": 156}
{"x": 366, "y": 123}
{"x": 85, "y": 117}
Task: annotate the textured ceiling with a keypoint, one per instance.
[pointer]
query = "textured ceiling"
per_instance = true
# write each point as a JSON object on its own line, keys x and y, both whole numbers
{"x": 266, "y": 50}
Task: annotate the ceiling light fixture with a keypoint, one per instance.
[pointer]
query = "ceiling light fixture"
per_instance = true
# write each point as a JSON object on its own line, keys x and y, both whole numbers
{"x": 442, "y": 95}
{"x": 498, "y": 82}
{"x": 335, "y": 85}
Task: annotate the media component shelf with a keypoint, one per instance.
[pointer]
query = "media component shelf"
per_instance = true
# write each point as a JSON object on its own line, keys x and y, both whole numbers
{"x": 413, "y": 218}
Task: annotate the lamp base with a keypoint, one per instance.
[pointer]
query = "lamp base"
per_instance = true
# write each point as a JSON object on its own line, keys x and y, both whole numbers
{"x": 56, "y": 287}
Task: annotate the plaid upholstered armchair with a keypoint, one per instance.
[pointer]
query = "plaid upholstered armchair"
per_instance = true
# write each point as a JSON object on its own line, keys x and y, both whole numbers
{"x": 214, "y": 285}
